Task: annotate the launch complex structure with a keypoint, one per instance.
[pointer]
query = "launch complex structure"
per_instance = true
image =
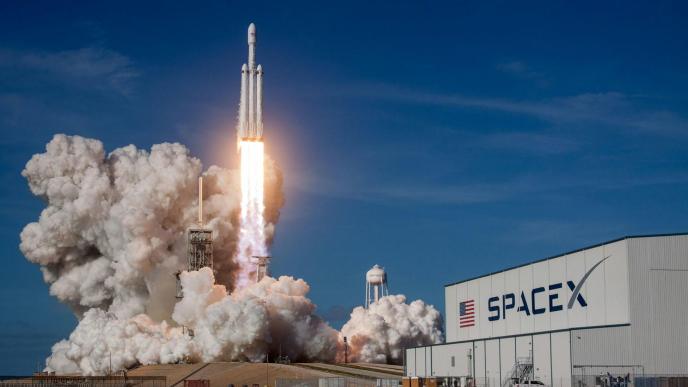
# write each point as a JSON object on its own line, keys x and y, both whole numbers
{"x": 252, "y": 257}
{"x": 199, "y": 243}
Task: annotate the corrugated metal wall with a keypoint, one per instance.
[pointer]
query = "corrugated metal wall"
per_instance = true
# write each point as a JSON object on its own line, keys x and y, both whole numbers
{"x": 659, "y": 306}
{"x": 492, "y": 361}
{"x": 657, "y": 338}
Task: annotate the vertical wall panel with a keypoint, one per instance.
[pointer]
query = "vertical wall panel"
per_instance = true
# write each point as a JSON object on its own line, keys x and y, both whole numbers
{"x": 508, "y": 350}
{"x": 542, "y": 358}
{"x": 525, "y": 275}
{"x": 492, "y": 369}
{"x": 523, "y": 346}
{"x": 462, "y": 294}
{"x": 513, "y": 322}
{"x": 479, "y": 359}
{"x": 575, "y": 270}
{"x": 617, "y": 284}
{"x": 441, "y": 360}
{"x": 482, "y": 328}
{"x": 451, "y": 315}
{"x": 411, "y": 362}
{"x": 558, "y": 275}
{"x": 428, "y": 361}
{"x": 595, "y": 285}
{"x": 420, "y": 362}
{"x": 541, "y": 301}
{"x": 561, "y": 359}
{"x": 499, "y": 326}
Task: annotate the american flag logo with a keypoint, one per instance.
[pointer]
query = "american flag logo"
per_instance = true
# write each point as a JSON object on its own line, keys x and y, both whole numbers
{"x": 466, "y": 314}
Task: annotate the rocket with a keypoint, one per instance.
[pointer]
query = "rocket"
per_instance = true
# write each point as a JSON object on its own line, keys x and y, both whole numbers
{"x": 251, "y": 101}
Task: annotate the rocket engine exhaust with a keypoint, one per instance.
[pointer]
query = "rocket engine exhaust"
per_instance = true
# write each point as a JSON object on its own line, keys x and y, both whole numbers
{"x": 252, "y": 241}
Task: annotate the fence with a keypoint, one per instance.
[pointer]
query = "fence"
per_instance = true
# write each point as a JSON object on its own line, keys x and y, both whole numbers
{"x": 83, "y": 381}
{"x": 602, "y": 379}
{"x": 629, "y": 379}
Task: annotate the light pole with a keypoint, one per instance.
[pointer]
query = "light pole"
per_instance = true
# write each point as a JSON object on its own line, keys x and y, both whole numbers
{"x": 346, "y": 351}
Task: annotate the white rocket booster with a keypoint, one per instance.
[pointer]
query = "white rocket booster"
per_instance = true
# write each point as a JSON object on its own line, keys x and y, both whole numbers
{"x": 251, "y": 100}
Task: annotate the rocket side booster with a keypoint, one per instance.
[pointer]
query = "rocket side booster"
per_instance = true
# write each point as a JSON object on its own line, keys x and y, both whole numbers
{"x": 251, "y": 100}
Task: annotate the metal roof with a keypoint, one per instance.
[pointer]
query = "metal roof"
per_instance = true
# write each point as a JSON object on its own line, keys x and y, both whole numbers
{"x": 567, "y": 253}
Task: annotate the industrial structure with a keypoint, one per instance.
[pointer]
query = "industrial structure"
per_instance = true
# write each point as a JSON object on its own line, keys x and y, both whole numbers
{"x": 376, "y": 285}
{"x": 251, "y": 101}
{"x": 199, "y": 243}
{"x": 605, "y": 315}
{"x": 261, "y": 266}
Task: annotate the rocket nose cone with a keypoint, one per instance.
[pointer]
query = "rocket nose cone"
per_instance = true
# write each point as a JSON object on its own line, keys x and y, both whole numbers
{"x": 259, "y": 68}
{"x": 252, "y": 33}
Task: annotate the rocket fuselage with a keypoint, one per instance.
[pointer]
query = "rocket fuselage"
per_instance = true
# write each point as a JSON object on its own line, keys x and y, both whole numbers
{"x": 251, "y": 100}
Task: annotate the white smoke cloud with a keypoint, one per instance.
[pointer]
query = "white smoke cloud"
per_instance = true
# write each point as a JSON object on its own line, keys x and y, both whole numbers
{"x": 102, "y": 340}
{"x": 253, "y": 321}
{"x": 113, "y": 234}
{"x": 243, "y": 326}
{"x": 380, "y": 333}
{"x": 114, "y": 226}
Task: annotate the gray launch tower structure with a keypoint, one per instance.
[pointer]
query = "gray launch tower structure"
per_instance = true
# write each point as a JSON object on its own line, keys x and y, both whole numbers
{"x": 199, "y": 243}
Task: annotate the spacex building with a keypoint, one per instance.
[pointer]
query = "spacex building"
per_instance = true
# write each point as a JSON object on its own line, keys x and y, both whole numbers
{"x": 615, "y": 311}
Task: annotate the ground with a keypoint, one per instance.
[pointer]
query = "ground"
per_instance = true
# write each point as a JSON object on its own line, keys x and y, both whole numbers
{"x": 223, "y": 374}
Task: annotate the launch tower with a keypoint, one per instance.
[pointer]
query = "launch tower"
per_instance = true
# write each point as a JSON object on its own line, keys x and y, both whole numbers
{"x": 199, "y": 243}
{"x": 262, "y": 266}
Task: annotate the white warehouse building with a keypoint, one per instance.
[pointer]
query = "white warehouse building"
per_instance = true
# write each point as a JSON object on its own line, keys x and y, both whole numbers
{"x": 617, "y": 310}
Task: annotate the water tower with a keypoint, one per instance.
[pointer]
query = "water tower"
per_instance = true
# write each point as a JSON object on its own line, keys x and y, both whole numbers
{"x": 376, "y": 285}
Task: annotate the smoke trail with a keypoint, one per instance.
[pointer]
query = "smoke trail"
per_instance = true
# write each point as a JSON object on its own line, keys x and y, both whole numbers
{"x": 252, "y": 241}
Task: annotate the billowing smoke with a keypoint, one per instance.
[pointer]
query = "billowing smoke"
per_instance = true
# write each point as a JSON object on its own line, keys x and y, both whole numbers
{"x": 380, "y": 333}
{"x": 102, "y": 342}
{"x": 113, "y": 234}
{"x": 113, "y": 231}
{"x": 242, "y": 326}
{"x": 255, "y": 320}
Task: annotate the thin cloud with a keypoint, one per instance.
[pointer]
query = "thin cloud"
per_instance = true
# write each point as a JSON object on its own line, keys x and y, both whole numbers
{"x": 612, "y": 109}
{"x": 93, "y": 67}
{"x": 525, "y": 186}
{"x": 526, "y": 142}
{"x": 537, "y": 231}
{"x": 520, "y": 69}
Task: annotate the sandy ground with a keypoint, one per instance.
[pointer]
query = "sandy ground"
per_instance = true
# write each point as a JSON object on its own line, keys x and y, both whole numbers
{"x": 360, "y": 370}
{"x": 224, "y": 374}
{"x": 248, "y": 374}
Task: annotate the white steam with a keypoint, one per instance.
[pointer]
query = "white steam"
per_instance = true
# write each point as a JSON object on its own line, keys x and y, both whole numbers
{"x": 113, "y": 234}
{"x": 380, "y": 333}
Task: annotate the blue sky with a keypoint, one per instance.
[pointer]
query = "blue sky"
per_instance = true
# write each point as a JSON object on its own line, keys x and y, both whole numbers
{"x": 440, "y": 140}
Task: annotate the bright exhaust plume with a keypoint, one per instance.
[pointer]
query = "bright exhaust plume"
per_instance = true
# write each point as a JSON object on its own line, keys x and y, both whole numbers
{"x": 252, "y": 241}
